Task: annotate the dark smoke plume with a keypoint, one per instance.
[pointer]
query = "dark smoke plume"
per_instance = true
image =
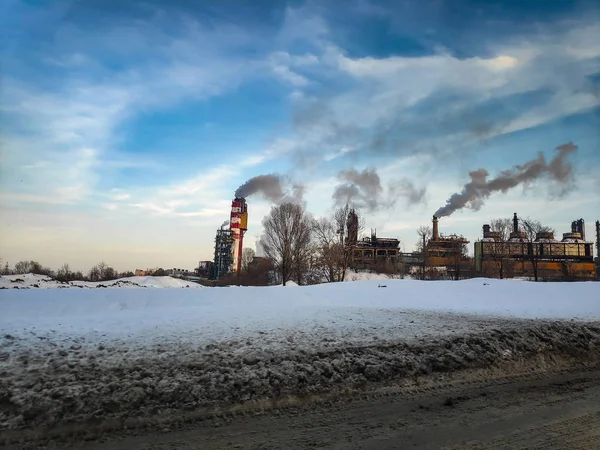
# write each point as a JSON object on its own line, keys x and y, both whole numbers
{"x": 271, "y": 187}
{"x": 363, "y": 190}
{"x": 480, "y": 188}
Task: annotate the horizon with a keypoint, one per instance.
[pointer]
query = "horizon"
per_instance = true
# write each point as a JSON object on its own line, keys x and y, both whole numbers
{"x": 126, "y": 130}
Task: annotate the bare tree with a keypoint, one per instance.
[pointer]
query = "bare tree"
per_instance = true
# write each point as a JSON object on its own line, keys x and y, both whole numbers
{"x": 335, "y": 240}
{"x": 109, "y": 273}
{"x": 22, "y": 267}
{"x": 328, "y": 248}
{"x": 425, "y": 234}
{"x": 286, "y": 240}
{"x": 532, "y": 228}
{"x": 349, "y": 225}
{"x": 64, "y": 273}
{"x": 501, "y": 257}
{"x": 502, "y": 226}
{"x": 248, "y": 255}
{"x": 458, "y": 261}
{"x": 94, "y": 274}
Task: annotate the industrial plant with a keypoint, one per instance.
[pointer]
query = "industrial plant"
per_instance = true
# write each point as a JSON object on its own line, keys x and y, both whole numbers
{"x": 229, "y": 241}
{"x": 540, "y": 255}
{"x": 521, "y": 253}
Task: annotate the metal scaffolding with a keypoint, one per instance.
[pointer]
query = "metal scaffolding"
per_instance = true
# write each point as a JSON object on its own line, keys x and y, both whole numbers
{"x": 223, "y": 261}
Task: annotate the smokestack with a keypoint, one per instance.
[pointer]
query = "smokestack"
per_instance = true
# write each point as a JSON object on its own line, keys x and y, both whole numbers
{"x": 515, "y": 224}
{"x": 435, "y": 229}
{"x": 486, "y": 230}
{"x": 239, "y": 225}
{"x": 598, "y": 238}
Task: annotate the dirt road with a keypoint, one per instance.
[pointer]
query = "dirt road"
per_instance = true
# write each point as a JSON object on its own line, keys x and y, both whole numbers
{"x": 542, "y": 411}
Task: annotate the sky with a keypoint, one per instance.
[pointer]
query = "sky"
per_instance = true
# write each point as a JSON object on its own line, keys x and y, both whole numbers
{"x": 126, "y": 127}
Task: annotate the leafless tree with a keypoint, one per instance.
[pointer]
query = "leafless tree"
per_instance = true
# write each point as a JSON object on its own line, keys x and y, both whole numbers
{"x": 286, "y": 240}
{"x": 22, "y": 267}
{"x": 248, "y": 255}
{"x": 532, "y": 228}
{"x": 64, "y": 273}
{"x": 501, "y": 256}
{"x": 458, "y": 261}
{"x": 502, "y": 226}
{"x": 328, "y": 248}
{"x": 335, "y": 239}
{"x": 349, "y": 225}
{"x": 425, "y": 234}
{"x": 94, "y": 274}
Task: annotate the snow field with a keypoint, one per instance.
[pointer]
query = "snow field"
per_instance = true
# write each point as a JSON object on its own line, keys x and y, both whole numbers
{"x": 81, "y": 354}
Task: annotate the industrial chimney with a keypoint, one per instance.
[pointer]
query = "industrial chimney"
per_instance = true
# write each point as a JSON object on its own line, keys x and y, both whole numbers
{"x": 598, "y": 238}
{"x": 435, "y": 229}
{"x": 239, "y": 225}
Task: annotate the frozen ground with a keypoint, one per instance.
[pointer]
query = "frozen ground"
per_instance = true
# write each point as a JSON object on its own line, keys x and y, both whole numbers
{"x": 73, "y": 354}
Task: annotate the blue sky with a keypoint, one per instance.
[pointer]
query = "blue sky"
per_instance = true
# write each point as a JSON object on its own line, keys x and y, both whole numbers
{"x": 125, "y": 127}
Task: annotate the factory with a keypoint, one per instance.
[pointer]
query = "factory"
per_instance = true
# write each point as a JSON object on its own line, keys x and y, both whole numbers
{"x": 598, "y": 249}
{"x": 445, "y": 250}
{"x": 229, "y": 241}
{"x": 540, "y": 256}
{"x": 519, "y": 254}
{"x": 370, "y": 252}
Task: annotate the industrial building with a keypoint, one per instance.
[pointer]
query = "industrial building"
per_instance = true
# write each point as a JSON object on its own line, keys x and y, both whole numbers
{"x": 527, "y": 256}
{"x": 598, "y": 249}
{"x": 229, "y": 241}
{"x": 370, "y": 252}
{"x": 445, "y": 250}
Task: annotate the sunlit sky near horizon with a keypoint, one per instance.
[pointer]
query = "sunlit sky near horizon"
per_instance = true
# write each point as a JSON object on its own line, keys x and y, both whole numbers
{"x": 126, "y": 127}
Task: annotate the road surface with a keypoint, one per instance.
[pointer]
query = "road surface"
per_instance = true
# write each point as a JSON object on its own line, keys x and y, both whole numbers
{"x": 539, "y": 411}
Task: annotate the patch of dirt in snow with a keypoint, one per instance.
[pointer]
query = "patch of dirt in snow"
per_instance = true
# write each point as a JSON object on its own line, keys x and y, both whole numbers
{"x": 59, "y": 381}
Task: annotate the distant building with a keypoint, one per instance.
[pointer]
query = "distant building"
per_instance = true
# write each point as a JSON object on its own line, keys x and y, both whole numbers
{"x": 140, "y": 273}
{"x": 204, "y": 269}
{"x": 177, "y": 273}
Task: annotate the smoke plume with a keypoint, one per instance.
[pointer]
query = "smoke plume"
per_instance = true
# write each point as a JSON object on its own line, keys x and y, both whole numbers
{"x": 360, "y": 189}
{"x": 364, "y": 190}
{"x": 480, "y": 188}
{"x": 224, "y": 224}
{"x": 409, "y": 191}
{"x": 270, "y": 187}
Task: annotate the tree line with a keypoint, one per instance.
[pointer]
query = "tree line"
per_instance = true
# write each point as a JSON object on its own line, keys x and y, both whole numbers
{"x": 99, "y": 272}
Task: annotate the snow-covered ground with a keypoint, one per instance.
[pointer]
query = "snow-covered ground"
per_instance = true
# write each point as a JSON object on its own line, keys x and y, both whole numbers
{"x": 205, "y": 342}
{"x": 33, "y": 281}
{"x": 340, "y": 308}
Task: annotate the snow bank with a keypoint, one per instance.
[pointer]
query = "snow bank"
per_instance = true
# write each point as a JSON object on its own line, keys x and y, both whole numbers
{"x": 33, "y": 281}
{"x": 80, "y": 354}
{"x": 341, "y": 310}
